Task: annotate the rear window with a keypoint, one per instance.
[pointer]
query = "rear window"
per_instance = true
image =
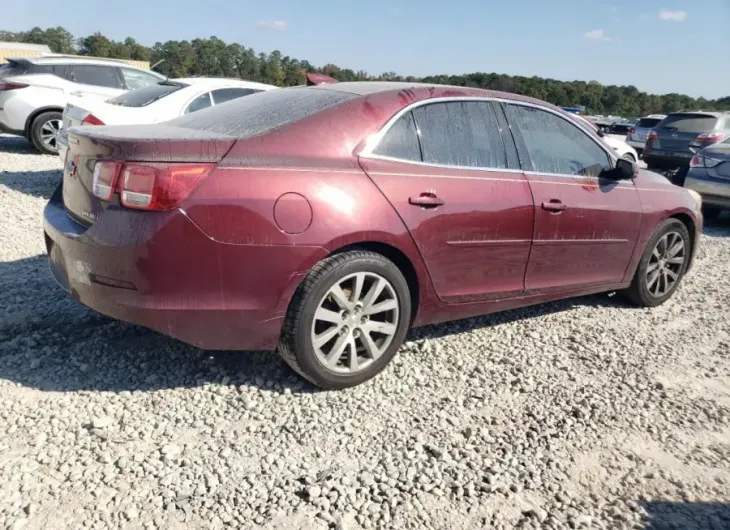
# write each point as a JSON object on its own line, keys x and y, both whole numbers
{"x": 694, "y": 123}
{"x": 146, "y": 95}
{"x": 622, "y": 128}
{"x": 259, "y": 113}
{"x": 12, "y": 68}
{"x": 648, "y": 123}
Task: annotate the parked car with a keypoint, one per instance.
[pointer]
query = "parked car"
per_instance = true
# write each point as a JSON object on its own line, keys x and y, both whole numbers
{"x": 709, "y": 175}
{"x": 620, "y": 129}
{"x": 34, "y": 91}
{"x": 327, "y": 220}
{"x": 154, "y": 103}
{"x": 668, "y": 145}
{"x": 622, "y": 149}
{"x": 636, "y": 136}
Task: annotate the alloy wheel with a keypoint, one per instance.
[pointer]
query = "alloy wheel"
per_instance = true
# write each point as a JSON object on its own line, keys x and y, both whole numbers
{"x": 355, "y": 322}
{"x": 49, "y": 133}
{"x": 665, "y": 264}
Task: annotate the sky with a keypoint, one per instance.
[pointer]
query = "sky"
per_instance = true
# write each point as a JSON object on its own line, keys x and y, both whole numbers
{"x": 659, "y": 46}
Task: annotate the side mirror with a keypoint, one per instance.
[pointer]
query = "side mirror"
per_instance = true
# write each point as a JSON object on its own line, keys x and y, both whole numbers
{"x": 625, "y": 169}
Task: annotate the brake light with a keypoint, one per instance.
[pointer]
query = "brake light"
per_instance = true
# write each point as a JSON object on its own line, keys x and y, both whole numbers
{"x": 699, "y": 161}
{"x": 631, "y": 130}
{"x": 90, "y": 119}
{"x": 696, "y": 161}
{"x": 652, "y": 135}
{"x": 710, "y": 138}
{"x": 105, "y": 175}
{"x": 156, "y": 186}
{"x": 10, "y": 85}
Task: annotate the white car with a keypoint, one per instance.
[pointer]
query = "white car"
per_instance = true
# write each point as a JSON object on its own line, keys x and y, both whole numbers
{"x": 34, "y": 91}
{"x": 155, "y": 103}
{"x": 623, "y": 150}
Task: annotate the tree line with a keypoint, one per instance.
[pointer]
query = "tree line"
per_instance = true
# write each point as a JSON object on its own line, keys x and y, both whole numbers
{"x": 215, "y": 57}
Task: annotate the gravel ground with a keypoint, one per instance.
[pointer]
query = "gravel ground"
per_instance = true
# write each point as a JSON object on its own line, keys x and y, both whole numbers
{"x": 583, "y": 413}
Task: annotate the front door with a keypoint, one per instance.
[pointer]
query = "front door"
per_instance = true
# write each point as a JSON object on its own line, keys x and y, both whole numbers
{"x": 445, "y": 169}
{"x": 586, "y": 226}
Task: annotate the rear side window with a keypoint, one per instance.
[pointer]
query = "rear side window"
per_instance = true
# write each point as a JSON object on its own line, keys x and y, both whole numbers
{"x": 147, "y": 95}
{"x": 462, "y": 134}
{"x": 227, "y": 94}
{"x": 13, "y": 68}
{"x": 648, "y": 123}
{"x": 688, "y": 123}
{"x": 401, "y": 140}
{"x": 89, "y": 74}
{"x": 199, "y": 103}
{"x": 135, "y": 79}
{"x": 556, "y": 146}
{"x": 259, "y": 113}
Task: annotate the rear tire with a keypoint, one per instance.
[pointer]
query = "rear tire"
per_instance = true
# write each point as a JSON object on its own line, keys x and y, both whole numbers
{"x": 44, "y": 132}
{"x": 660, "y": 269}
{"x": 331, "y": 319}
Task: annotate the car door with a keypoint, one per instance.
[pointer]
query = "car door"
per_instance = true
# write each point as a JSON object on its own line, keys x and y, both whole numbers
{"x": 445, "y": 168}
{"x": 95, "y": 80}
{"x": 586, "y": 225}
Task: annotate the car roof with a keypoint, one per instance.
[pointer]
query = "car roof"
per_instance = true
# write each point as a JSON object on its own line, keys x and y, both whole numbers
{"x": 215, "y": 81}
{"x": 69, "y": 59}
{"x": 367, "y": 88}
{"x": 696, "y": 112}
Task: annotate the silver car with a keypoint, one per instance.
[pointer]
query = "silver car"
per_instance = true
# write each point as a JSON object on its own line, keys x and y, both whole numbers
{"x": 636, "y": 136}
{"x": 709, "y": 175}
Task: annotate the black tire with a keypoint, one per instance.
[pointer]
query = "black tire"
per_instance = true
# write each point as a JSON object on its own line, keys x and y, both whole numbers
{"x": 638, "y": 292}
{"x": 35, "y": 131}
{"x": 710, "y": 213}
{"x": 295, "y": 343}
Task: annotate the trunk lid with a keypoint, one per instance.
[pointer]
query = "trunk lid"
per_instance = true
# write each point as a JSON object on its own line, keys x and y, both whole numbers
{"x": 127, "y": 143}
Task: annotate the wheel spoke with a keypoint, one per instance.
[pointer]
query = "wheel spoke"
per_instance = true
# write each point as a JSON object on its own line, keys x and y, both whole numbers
{"x": 340, "y": 297}
{"x": 338, "y": 349}
{"x": 327, "y": 316}
{"x": 357, "y": 287}
{"x": 671, "y": 275}
{"x": 326, "y": 336}
{"x": 662, "y": 246}
{"x": 379, "y": 327}
{"x": 371, "y": 349}
{"x": 354, "y": 364}
{"x": 676, "y": 249}
{"x": 387, "y": 305}
{"x": 652, "y": 267}
{"x": 653, "y": 279}
{"x": 373, "y": 294}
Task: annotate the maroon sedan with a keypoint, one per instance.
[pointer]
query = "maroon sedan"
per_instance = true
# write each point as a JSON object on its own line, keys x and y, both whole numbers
{"x": 325, "y": 221}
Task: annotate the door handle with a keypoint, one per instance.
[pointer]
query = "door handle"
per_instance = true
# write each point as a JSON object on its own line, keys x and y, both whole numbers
{"x": 426, "y": 200}
{"x": 553, "y": 205}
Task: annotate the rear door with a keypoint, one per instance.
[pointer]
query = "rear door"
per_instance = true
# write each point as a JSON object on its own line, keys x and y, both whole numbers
{"x": 586, "y": 227}
{"x": 445, "y": 168}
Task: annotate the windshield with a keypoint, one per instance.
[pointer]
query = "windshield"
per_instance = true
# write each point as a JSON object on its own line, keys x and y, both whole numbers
{"x": 259, "y": 113}
{"x": 689, "y": 123}
{"x": 147, "y": 95}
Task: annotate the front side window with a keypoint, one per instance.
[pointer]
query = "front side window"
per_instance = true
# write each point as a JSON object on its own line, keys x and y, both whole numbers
{"x": 135, "y": 79}
{"x": 401, "y": 140}
{"x": 199, "y": 103}
{"x": 461, "y": 133}
{"x": 556, "y": 146}
{"x": 227, "y": 94}
{"x": 89, "y": 74}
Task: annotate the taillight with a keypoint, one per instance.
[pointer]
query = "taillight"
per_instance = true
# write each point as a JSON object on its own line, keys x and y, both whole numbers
{"x": 90, "y": 119}
{"x": 652, "y": 135}
{"x": 105, "y": 175}
{"x": 155, "y": 186}
{"x": 710, "y": 138}
{"x": 696, "y": 161}
{"x": 699, "y": 161}
{"x": 631, "y": 130}
{"x": 10, "y": 85}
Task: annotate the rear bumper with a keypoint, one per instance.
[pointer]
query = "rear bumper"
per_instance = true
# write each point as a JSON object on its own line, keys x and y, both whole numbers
{"x": 714, "y": 192}
{"x": 636, "y": 144}
{"x": 663, "y": 161}
{"x": 159, "y": 270}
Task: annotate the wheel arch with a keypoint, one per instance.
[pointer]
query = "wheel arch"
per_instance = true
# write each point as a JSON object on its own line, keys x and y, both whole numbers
{"x": 691, "y": 226}
{"x": 37, "y": 112}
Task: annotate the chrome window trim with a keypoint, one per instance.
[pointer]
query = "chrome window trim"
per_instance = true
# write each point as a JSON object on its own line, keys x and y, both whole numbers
{"x": 375, "y": 139}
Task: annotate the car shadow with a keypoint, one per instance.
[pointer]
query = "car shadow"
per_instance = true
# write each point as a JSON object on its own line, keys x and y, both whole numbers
{"x": 35, "y": 183}
{"x": 719, "y": 227}
{"x": 665, "y": 515}
{"x": 51, "y": 342}
{"x": 17, "y": 144}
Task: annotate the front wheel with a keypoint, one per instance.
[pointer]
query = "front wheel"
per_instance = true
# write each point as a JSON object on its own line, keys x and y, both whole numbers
{"x": 347, "y": 320}
{"x": 662, "y": 265}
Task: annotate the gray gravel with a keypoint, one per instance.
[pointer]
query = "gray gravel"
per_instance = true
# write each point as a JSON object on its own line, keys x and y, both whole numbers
{"x": 583, "y": 413}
